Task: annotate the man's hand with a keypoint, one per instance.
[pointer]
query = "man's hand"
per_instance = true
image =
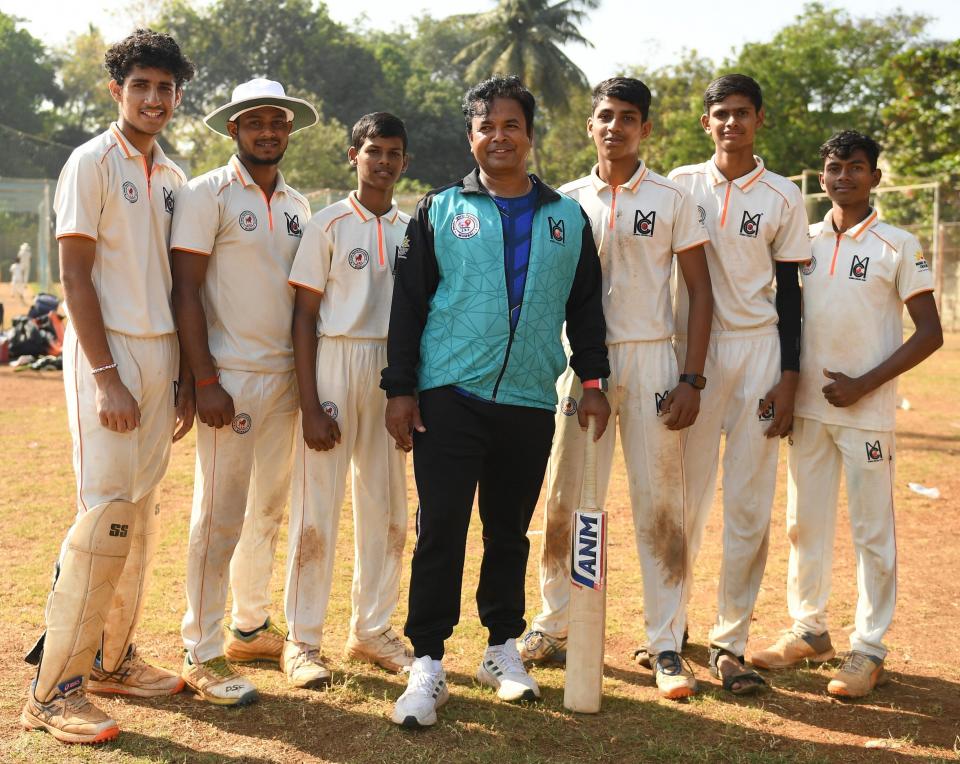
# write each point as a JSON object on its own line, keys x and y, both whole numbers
{"x": 117, "y": 408}
{"x": 403, "y": 417}
{"x": 781, "y": 396}
{"x": 843, "y": 391}
{"x": 595, "y": 404}
{"x": 320, "y": 430}
{"x": 681, "y": 406}
{"x": 214, "y": 405}
{"x": 186, "y": 404}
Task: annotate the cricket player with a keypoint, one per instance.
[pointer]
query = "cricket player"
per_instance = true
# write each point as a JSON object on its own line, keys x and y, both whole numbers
{"x": 343, "y": 276}
{"x": 758, "y": 233}
{"x": 492, "y": 266}
{"x": 235, "y": 232}
{"x": 114, "y": 205}
{"x": 860, "y": 273}
{"x": 640, "y": 220}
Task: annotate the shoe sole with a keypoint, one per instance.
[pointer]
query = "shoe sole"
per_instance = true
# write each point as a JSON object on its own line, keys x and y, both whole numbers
{"x": 823, "y": 657}
{"x": 111, "y": 688}
{"x": 32, "y": 723}
{"x": 360, "y": 657}
{"x": 411, "y": 722}
{"x": 842, "y": 692}
{"x": 252, "y": 696}
{"x": 558, "y": 658}
{"x": 313, "y": 684}
{"x": 678, "y": 693}
{"x": 484, "y": 677}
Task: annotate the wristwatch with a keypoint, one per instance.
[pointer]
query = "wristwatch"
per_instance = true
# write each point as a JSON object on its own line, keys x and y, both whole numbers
{"x": 697, "y": 381}
{"x": 600, "y": 384}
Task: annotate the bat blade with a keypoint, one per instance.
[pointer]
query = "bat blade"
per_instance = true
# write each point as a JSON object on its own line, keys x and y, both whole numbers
{"x": 583, "y": 686}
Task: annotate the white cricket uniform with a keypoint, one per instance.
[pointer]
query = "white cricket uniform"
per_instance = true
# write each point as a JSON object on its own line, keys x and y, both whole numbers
{"x": 638, "y": 227}
{"x": 108, "y": 192}
{"x": 854, "y": 288}
{"x": 243, "y": 471}
{"x": 348, "y": 255}
{"x": 752, "y": 221}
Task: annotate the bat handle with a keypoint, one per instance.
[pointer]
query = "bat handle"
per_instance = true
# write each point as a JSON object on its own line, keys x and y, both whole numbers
{"x": 588, "y": 496}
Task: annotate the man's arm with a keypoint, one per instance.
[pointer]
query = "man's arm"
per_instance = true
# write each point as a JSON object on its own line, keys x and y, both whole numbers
{"x": 683, "y": 402}
{"x": 417, "y": 278}
{"x": 320, "y": 431}
{"x": 783, "y": 394}
{"x": 927, "y": 337}
{"x": 587, "y": 331}
{"x": 214, "y": 404}
{"x": 117, "y": 408}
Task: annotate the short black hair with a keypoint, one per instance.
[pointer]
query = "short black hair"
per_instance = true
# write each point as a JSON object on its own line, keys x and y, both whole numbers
{"x": 477, "y": 101}
{"x": 378, "y": 124}
{"x": 843, "y": 144}
{"x": 732, "y": 84}
{"x": 150, "y": 49}
{"x": 626, "y": 89}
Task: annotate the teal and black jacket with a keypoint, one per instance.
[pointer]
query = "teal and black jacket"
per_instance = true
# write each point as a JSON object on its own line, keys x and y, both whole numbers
{"x": 450, "y": 322}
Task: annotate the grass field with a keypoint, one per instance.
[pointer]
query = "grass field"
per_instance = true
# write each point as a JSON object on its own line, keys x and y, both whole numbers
{"x": 917, "y": 716}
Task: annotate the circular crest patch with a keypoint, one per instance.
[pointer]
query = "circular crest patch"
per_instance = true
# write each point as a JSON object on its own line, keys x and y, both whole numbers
{"x": 568, "y": 406}
{"x": 248, "y": 221}
{"x": 358, "y": 258}
{"x": 809, "y": 267}
{"x": 466, "y": 225}
{"x": 130, "y": 192}
{"x": 330, "y": 409}
{"x": 241, "y": 423}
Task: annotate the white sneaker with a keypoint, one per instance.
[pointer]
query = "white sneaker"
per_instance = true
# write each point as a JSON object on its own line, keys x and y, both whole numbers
{"x": 426, "y": 692}
{"x": 303, "y": 666}
{"x": 502, "y": 669}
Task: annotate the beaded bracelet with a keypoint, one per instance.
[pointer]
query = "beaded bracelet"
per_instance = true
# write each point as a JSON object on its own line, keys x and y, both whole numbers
{"x": 101, "y": 369}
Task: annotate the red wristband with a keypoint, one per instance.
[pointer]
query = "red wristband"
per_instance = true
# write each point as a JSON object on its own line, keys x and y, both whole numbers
{"x": 592, "y": 384}
{"x": 208, "y": 381}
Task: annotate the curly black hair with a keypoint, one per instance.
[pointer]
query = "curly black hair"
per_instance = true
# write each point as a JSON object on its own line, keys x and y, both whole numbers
{"x": 479, "y": 98}
{"x": 843, "y": 144}
{"x": 151, "y": 49}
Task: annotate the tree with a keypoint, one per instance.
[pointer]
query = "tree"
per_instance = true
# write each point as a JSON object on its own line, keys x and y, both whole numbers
{"x": 28, "y": 78}
{"x": 88, "y": 106}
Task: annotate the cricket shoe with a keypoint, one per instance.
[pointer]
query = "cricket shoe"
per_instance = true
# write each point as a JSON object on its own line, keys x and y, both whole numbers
{"x": 641, "y": 655}
{"x": 794, "y": 647}
{"x": 303, "y": 666}
{"x": 217, "y": 682}
{"x": 134, "y": 676}
{"x": 426, "y": 692}
{"x": 674, "y": 679}
{"x": 263, "y": 644}
{"x": 502, "y": 669}
{"x": 385, "y": 650}
{"x": 858, "y": 674}
{"x": 541, "y": 649}
{"x": 70, "y": 717}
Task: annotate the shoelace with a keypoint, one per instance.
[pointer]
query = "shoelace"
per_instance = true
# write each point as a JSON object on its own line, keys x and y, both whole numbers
{"x": 76, "y": 701}
{"x": 422, "y": 680}
{"x": 855, "y": 662}
{"x": 220, "y": 668}
{"x": 308, "y": 656}
{"x": 669, "y": 662}
{"x": 510, "y": 659}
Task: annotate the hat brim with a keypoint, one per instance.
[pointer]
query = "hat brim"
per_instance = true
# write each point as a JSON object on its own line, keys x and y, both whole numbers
{"x": 304, "y": 115}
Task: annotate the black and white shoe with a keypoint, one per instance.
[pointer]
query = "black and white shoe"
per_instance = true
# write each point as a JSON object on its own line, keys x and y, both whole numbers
{"x": 502, "y": 669}
{"x": 426, "y": 692}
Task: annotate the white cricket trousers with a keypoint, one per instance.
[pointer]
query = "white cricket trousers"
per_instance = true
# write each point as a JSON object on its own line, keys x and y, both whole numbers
{"x": 642, "y": 373}
{"x": 740, "y": 368}
{"x": 348, "y": 377}
{"x": 815, "y": 458}
{"x": 242, "y": 483}
{"x": 112, "y": 466}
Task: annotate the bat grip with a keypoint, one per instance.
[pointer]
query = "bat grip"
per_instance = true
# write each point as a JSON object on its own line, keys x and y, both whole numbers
{"x": 588, "y": 496}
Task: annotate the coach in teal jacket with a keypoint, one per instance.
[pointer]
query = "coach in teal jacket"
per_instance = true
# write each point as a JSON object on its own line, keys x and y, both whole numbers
{"x": 491, "y": 268}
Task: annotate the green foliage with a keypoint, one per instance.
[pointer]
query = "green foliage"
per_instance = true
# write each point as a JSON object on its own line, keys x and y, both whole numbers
{"x": 88, "y": 104}
{"x": 28, "y": 77}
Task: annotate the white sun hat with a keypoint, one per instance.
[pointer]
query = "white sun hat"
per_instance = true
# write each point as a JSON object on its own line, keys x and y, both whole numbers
{"x": 261, "y": 92}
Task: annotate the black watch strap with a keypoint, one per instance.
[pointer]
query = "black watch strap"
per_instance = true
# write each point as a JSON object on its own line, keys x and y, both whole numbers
{"x": 697, "y": 381}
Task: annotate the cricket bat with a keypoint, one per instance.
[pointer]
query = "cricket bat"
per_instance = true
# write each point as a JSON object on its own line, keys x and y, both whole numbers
{"x": 588, "y": 592}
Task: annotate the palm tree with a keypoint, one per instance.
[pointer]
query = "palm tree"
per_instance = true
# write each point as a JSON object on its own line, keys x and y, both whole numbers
{"x": 523, "y": 37}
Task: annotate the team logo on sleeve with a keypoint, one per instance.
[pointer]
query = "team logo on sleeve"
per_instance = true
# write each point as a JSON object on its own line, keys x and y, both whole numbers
{"x": 874, "y": 452}
{"x": 858, "y": 268}
{"x": 466, "y": 225}
{"x": 358, "y": 259}
{"x": 568, "y": 406}
{"x": 920, "y": 261}
{"x": 241, "y": 423}
{"x": 168, "y": 199}
{"x": 809, "y": 267}
{"x": 750, "y": 224}
{"x": 643, "y": 223}
{"x": 330, "y": 409}
{"x": 701, "y": 214}
{"x": 767, "y": 414}
{"x": 659, "y": 399}
{"x": 293, "y": 225}
{"x": 248, "y": 221}
{"x": 130, "y": 192}
{"x": 557, "y": 233}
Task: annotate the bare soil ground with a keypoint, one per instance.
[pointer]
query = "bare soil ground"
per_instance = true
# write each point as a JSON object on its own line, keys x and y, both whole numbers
{"x": 917, "y": 716}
